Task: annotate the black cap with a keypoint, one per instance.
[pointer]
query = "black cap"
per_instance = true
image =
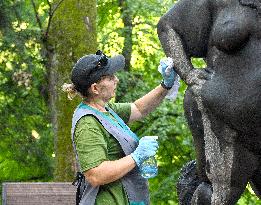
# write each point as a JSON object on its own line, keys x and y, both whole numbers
{"x": 90, "y": 68}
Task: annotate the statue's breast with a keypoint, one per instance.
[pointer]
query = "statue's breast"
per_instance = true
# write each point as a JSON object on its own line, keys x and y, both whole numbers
{"x": 232, "y": 28}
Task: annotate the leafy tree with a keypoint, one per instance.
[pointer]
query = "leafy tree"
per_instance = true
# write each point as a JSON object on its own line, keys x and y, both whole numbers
{"x": 27, "y": 56}
{"x": 25, "y": 135}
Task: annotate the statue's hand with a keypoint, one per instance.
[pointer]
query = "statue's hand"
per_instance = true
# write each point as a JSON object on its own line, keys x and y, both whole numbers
{"x": 197, "y": 77}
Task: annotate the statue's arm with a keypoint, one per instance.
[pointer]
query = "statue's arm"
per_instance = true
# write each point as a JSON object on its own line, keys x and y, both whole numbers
{"x": 173, "y": 47}
{"x": 184, "y": 33}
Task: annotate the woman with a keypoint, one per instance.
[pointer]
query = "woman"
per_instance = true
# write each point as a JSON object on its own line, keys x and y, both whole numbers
{"x": 108, "y": 153}
{"x": 223, "y": 101}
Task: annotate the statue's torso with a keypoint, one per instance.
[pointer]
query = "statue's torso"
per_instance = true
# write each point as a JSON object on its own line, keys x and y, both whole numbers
{"x": 234, "y": 58}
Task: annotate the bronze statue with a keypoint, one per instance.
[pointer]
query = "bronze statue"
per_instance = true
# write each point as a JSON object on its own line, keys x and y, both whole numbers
{"x": 223, "y": 101}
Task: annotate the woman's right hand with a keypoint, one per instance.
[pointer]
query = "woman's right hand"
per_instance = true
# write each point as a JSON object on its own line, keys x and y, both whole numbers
{"x": 147, "y": 148}
{"x": 166, "y": 68}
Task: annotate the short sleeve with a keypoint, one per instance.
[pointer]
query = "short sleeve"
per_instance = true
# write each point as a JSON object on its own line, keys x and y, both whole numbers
{"x": 122, "y": 109}
{"x": 191, "y": 19}
{"x": 91, "y": 144}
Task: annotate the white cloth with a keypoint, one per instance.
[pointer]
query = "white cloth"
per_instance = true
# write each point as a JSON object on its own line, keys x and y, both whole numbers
{"x": 173, "y": 92}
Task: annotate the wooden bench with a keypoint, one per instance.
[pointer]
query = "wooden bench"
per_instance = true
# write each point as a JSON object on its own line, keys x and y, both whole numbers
{"x": 40, "y": 193}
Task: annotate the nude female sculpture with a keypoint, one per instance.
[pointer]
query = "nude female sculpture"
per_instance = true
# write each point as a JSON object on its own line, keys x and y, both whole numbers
{"x": 223, "y": 101}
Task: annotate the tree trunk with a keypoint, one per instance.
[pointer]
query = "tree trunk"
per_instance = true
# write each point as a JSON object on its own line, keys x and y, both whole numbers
{"x": 126, "y": 15}
{"x": 72, "y": 35}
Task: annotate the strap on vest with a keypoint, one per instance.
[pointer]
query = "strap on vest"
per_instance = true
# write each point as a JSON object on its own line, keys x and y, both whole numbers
{"x": 79, "y": 182}
{"x": 121, "y": 124}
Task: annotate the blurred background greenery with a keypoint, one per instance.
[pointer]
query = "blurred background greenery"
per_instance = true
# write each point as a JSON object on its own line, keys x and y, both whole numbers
{"x": 30, "y": 37}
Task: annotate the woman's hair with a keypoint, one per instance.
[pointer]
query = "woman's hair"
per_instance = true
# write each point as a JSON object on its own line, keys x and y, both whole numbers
{"x": 70, "y": 90}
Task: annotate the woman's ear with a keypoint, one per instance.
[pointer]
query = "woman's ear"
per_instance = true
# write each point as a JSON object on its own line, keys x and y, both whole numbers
{"x": 94, "y": 88}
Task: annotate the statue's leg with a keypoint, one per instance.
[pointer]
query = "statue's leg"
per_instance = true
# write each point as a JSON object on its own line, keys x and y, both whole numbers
{"x": 229, "y": 164}
{"x": 194, "y": 119}
{"x": 187, "y": 183}
{"x": 193, "y": 186}
{"x": 202, "y": 195}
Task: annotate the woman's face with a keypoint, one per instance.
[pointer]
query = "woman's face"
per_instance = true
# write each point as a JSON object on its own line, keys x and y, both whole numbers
{"x": 107, "y": 86}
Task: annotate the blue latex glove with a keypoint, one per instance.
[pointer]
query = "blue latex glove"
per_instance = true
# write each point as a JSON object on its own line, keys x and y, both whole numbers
{"x": 147, "y": 148}
{"x": 167, "y": 72}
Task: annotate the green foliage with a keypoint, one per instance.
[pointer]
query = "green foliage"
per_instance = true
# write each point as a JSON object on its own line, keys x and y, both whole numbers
{"x": 26, "y": 140}
{"x": 249, "y": 198}
{"x": 146, "y": 48}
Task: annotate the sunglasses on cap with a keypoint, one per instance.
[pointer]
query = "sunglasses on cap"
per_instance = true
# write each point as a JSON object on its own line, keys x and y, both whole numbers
{"x": 103, "y": 59}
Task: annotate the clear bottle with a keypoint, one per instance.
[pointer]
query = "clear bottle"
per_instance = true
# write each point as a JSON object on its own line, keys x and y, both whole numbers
{"x": 149, "y": 168}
